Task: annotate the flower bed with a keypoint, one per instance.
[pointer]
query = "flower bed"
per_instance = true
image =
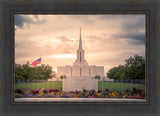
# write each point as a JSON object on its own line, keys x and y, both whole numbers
{"x": 55, "y": 93}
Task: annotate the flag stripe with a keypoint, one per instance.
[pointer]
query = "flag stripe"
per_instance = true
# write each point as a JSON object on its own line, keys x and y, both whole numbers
{"x": 38, "y": 61}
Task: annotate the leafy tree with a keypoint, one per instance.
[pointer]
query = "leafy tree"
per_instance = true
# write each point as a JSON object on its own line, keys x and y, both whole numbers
{"x": 118, "y": 72}
{"x": 114, "y": 73}
{"x": 123, "y": 76}
{"x": 134, "y": 68}
{"x": 63, "y": 77}
{"x": 47, "y": 72}
{"x": 28, "y": 72}
{"x": 111, "y": 73}
{"x": 19, "y": 72}
{"x": 97, "y": 77}
{"x": 25, "y": 72}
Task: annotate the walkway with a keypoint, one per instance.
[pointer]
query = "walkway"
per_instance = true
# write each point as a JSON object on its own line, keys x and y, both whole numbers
{"x": 103, "y": 100}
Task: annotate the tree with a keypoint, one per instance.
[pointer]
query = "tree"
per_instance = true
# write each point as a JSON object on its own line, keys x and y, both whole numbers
{"x": 25, "y": 72}
{"x": 111, "y": 73}
{"x": 115, "y": 72}
{"x": 63, "y": 77}
{"x": 97, "y": 77}
{"x": 123, "y": 76}
{"x": 47, "y": 72}
{"x": 19, "y": 72}
{"x": 134, "y": 68}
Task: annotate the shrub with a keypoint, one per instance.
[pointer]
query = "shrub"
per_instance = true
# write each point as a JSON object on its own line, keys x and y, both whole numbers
{"x": 19, "y": 91}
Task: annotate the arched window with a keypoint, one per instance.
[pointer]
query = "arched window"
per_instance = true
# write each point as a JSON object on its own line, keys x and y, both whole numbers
{"x": 80, "y": 56}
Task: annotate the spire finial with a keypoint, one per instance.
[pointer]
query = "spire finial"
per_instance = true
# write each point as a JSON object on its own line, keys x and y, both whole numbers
{"x": 80, "y": 41}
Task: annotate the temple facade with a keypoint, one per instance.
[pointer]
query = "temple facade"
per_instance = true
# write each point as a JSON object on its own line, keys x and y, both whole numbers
{"x": 80, "y": 67}
{"x": 80, "y": 75}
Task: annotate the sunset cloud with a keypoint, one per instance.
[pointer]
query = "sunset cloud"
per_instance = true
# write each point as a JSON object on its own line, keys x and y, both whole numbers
{"x": 107, "y": 39}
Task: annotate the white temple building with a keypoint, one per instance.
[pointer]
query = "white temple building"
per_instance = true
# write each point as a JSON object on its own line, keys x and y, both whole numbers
{"x": 80, "y": 75}
{"x": 80, "y": 67}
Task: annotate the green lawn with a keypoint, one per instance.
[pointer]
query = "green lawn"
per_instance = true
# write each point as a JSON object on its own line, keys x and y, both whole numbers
{"x": 110, "y": 85}
{"x": 51, "y": 85}
{"x": 119, "y": 86}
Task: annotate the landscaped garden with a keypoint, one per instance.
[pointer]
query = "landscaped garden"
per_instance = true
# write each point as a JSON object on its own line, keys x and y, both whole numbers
{"x": 54, "y": 90}
{"x": 31, "y": 82}
{"x": 58, "y": 85}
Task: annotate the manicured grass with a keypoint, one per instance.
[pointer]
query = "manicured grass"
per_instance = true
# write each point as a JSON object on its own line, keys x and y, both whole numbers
{"x": 45, "y": 85}
{"x": 119, "y": 86}
{"x": 110, "y": 85}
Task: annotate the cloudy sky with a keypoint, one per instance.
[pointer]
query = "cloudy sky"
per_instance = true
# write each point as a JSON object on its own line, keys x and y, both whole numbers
{"x": 107, "y": 39}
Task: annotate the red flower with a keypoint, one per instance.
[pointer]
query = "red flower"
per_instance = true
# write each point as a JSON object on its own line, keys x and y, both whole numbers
{"x": 35, "y": 91}
{"x": 55, "y": 90}
{"x": 99, "y": 91}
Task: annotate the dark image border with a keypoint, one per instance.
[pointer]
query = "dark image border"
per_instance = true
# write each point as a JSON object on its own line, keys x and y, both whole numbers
{"x": 8, "y": 7}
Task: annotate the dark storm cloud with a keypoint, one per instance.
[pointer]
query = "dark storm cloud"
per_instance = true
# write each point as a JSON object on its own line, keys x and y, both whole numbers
{"x": 134, "y": 25}
{"x": 133, "y": 38}
{"x": 127, "y": 22}
{"x": 131, "y": 30}
{"x": 20, "y": 20}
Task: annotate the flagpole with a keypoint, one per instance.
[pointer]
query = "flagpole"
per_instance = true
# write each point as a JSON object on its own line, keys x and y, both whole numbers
{"x": 41, "y": 66}
{"x": 42, "y": 80}
{"x": 32, "y": 87}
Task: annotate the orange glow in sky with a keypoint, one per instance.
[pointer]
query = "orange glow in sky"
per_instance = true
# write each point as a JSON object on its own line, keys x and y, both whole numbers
{"x": 107, "y": 39}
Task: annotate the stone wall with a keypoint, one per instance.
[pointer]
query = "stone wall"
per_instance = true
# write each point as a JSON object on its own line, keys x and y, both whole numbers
{"x": 79, "y": 84}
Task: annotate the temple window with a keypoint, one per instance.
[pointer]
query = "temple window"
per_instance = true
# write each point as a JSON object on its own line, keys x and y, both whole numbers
{"x": 80, "y": 56}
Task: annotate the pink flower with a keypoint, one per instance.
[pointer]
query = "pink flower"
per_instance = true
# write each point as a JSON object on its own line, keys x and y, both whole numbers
{"x": 91, "y": 96}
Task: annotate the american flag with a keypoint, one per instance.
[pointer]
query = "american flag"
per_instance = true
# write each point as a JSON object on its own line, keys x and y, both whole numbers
{"x": 38, "y": 61}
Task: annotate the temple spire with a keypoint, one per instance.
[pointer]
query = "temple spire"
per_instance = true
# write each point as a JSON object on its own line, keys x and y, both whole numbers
{"x": 80, "y": 41}
{"x": 80, "y": 53}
